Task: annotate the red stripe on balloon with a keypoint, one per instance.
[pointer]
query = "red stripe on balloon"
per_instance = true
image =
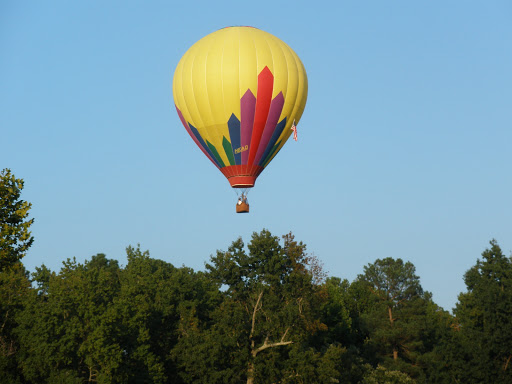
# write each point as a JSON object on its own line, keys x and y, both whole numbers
{"x": 263, "y": 100}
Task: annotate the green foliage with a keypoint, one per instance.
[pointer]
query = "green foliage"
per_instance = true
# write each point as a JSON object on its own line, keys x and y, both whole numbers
{"x": 262, "y": 329}
{"x": 14, "y": 289}
{"x": 100, "y": 323}
{"x": 157, "y": 301}
{"x": 392, "y": 281}
{"x": 381, "y": 375}
{"x": 76, "y": 325}
{"x": 15, "y": 237}
{"x": 483, "y": 331}
{"x": 395, "y": 318}
{"x": 435, "y": 336}
{"x": 336, "y": 311}
{"x": 261, "y": 313}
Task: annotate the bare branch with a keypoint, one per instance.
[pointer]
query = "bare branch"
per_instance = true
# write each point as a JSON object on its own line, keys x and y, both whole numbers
{"x": 256, "y": 308}
{"x": 284, "y": 335}
{"x": 266, "y": 345}
{"x": 507, "y": 362}
{"x": 5, "y": 320}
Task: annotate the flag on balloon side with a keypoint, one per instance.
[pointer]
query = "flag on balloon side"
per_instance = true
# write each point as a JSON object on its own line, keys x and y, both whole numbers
{"x": 294, "y": 129}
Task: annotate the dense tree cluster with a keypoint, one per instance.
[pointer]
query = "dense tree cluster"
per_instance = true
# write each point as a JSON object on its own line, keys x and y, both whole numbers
{"x": 262, "y": 312}
{"x": 256, "y": 316}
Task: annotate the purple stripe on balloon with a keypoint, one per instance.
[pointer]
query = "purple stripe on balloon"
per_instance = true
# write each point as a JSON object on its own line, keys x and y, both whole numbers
{"x": 276, "y": 108}
{"x": 247, "y": 109}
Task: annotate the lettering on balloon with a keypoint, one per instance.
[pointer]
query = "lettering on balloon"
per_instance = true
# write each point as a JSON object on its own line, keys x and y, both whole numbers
{"x": 241, "y": 149}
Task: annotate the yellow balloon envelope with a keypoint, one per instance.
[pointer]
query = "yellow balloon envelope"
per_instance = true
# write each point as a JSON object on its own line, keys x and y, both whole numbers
{"x": 238, "y": 92}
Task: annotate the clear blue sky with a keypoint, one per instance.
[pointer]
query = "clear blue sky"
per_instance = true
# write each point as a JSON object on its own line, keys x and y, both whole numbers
{"x": 404, "y": 151}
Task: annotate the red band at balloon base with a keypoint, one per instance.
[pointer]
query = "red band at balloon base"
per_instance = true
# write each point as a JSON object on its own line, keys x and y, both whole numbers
{"x": 242, "y": 181}
{"x": 241, "y": 176}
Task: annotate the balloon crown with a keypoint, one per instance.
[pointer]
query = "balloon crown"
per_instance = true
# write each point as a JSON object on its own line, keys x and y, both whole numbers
{"x": 239, "y": 26}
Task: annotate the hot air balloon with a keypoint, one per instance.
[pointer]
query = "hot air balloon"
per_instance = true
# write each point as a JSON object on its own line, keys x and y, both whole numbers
{"x": 238, "y": 92}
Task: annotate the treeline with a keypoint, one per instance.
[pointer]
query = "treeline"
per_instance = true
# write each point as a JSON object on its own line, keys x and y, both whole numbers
{"x": 264, "y": 313}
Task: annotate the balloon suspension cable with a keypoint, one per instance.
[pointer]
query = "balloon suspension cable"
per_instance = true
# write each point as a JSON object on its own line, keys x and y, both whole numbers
{"x": 242, "y": 192}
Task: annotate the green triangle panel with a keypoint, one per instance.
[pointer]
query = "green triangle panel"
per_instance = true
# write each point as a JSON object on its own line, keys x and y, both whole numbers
{"x": 229, "y": 150}
{"x": 215, "y": 153}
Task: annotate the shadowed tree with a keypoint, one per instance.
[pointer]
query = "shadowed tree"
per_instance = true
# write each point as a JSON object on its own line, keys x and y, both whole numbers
{"x": 483, "y": 332}
{"x": 396, "y": 318}
{"x": 14, "y": 289}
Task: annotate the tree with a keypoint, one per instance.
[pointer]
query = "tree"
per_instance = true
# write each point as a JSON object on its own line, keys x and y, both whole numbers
{"x": 14, "y": 289}
{"x": 396, "y": 319}
{"x": 99, "y": 323}
{"x": 483, "y": 334}
{"x": 157, "y": 302}
{"x": 261, "y": 330}
{"x": 336, "y": 312}
{"x": 381, "y": 375}
{"x": 76, "y": 335}
{"x": 435, "y": 338}
{"x": 341, "y": 316}
{"x": 15, "y": 237}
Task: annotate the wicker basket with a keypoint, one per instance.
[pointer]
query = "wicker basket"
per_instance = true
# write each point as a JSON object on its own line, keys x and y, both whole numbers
{"x": 242, "y": 208}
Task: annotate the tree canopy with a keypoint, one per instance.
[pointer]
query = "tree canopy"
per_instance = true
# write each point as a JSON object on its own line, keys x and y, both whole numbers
{"x": 262, "y": 312}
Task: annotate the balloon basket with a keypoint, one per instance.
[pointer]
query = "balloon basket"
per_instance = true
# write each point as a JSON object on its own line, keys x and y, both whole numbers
{"x": 242, "y": 208}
